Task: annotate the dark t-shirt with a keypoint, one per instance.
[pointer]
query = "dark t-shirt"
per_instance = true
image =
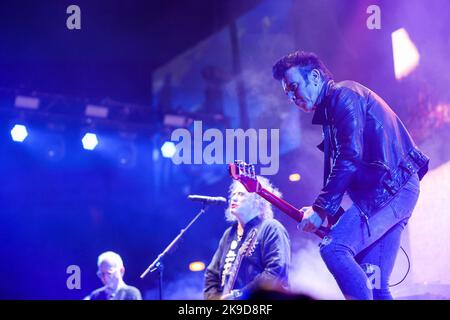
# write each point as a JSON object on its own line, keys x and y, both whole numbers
{"x": 125, "y": 293}
{"x": 268, "y": 265}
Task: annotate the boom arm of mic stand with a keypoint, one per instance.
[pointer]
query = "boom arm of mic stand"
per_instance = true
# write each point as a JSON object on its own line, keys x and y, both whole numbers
{"x": 155, "y": 264}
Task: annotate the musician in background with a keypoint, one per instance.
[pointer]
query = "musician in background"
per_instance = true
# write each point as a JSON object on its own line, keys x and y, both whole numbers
{"x": 267, "y": 267}
{"x": 111, "y": 271}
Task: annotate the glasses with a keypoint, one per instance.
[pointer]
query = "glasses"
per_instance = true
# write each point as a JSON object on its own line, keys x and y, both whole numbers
{"x": 102, "y": 274}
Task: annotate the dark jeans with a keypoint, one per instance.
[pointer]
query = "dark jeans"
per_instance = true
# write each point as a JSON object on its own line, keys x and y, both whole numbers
{"x": 362, "y": 264}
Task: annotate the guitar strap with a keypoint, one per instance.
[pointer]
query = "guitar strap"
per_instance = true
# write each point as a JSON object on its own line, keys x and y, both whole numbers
{"x": 250, "y": 232}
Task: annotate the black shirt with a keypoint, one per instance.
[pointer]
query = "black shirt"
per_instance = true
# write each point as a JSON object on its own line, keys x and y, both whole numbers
{"x": 268, "y": 264}
{"x": 124, "y": 293}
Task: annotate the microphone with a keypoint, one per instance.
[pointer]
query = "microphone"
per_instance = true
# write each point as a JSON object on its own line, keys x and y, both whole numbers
{"x": 207, "y": 200}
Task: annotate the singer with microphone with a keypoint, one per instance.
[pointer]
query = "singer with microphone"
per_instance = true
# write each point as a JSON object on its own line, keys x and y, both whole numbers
{"x": 254, "y": 252}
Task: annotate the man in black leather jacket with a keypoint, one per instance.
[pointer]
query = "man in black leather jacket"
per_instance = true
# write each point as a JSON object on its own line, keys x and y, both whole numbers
{"x": 369, "y": 155}
{"x": 267, "y": 265}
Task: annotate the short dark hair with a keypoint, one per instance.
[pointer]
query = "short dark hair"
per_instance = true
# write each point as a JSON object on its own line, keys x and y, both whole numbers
{"x": 306, "y": 61}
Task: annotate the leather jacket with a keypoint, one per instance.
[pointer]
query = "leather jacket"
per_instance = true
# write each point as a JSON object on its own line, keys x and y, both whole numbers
{"x": 372, "y": 153}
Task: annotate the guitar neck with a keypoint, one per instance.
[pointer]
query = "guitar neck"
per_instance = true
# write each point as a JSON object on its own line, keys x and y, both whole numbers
{"x": 284, "y": 206}
{"x": 229, "y": 284}
{"x": 289, "y": 209}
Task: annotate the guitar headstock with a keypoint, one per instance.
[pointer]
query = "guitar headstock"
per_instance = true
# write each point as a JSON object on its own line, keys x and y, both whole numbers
{"x": 245, "y": 174}
{"x": 248, "y": 247}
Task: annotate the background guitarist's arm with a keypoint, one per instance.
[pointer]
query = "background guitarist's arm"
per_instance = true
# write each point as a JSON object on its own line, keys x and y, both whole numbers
{"x": 276, "y": 258}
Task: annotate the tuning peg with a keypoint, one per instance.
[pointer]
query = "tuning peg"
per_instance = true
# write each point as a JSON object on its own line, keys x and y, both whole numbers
{"x": 239, "y": 165}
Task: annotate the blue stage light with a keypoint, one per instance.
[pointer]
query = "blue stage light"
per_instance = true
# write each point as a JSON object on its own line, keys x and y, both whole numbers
{"x": 19, "y": 133}
{"x": 89, "y": 141}
{"x": 168, "y": 149}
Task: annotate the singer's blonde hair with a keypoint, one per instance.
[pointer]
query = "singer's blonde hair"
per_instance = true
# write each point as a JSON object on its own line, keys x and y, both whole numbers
{"x": 262, "y": 205}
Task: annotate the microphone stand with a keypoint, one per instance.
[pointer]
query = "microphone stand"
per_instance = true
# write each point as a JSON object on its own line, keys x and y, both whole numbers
{"x": 157, "y": 263}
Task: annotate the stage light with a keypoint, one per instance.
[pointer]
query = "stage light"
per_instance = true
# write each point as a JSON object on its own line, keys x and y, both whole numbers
{"x": 27, "y": 102}
{"x": 174, "y": 120}
{"x": 406, "y": 55}
{"x": 19, "y": 133}
{"x": 168, "y": 149}
{"x": 294, "y": 177}
{"x": 89, "y": 141}
{"x": 196, "y": 266}
{"x": 96, "y": 111}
